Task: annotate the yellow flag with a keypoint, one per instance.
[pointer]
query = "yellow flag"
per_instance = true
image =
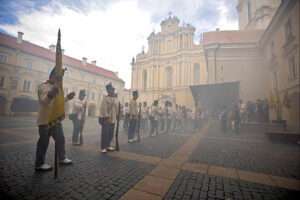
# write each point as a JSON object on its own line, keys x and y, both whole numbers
{"x": 199, "y": 104}
{"x": 270, "y": 100}
{"x": 57, "y": 112}
{"x": 276, "y": 99}
{"x": 286, "y": 99}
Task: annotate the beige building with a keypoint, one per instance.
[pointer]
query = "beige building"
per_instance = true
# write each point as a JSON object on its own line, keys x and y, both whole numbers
{"x": 234, "y": 56}
{"x": 173, "y": 63}
{"x": 23, "y": 66}
{"x": 256, "y": 14}
{"x": 281, "y": 59}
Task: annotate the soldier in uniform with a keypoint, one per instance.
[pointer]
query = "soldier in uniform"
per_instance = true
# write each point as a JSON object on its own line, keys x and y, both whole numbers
{"x": 144, "y": 116}
{"x": 46, "y": 93}
{"x": 169, "y": 116}
{"x": 78, "y": 107}
{"x": 108, "y": 110}
{"x": 126, "y": 116}
{"x": 153, "y": 117}
{"x": 133, "y": 111}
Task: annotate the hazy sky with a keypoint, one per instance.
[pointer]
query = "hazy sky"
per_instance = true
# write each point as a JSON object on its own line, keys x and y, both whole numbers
{"x": 109, "y": 31}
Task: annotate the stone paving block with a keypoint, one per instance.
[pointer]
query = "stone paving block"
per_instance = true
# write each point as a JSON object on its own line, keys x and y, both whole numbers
{"x": 133, "y": 194}
{"x": 255, "y": 177}
{"x": 222, "y": 171}
{"x": 195, "y": 167}
{"x": 165, "y": 172}
{"x": 149, "y": 159}
{"x": 287, "y": 183}
{"x": 154, "y": 185}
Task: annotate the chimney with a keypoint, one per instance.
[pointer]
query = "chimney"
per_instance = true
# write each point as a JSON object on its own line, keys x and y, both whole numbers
{"x": 20, "y": 35}
{"x": 217, "y": 29}
{"x": 63, "y": 52}
{"x": 94, "y": 62}
{"x": 84, "y": 61}
{"x": 52, "y": 48}
{"x": 116, "y": 73}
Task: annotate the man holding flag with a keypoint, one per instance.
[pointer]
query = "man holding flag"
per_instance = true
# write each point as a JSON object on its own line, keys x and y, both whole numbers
{"x": 52, "y": 111}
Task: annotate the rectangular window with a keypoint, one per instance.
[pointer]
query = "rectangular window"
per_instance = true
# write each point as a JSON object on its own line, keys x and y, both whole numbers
{"x": 66, "y": 91}
{"x": 288, "y": 30}
{"x": 67, "y": 74}
{"x": 2, "y": 79}
{"x": 29, "y": 64}
{"x": 26, "y": 86}
{"x": 3, "y": 58}
{"x": 292, "y": 66}
{"x": 50, "y": 68}
{"x": 82, "y": 77}
{"x": 249, "y": 12}
{"x": 93, "y": 95}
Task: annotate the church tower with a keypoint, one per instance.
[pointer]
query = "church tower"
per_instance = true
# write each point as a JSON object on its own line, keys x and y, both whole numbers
{"x": 256, "y": 14}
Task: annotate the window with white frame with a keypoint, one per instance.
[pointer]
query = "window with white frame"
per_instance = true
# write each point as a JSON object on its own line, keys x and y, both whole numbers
{"x": 50, "y": 68}
{"x": 82, "y": 77}
{"x": 26, "y": 85}
{"x": 29, "y": 64}
{"x": 3, "y": 58}
{"x": 292, "y": 66}
{"x": 93, "y": 95}
{"x": 67, "y": 74}
{"x": 2, "y": 79}
{"x": 66, "y": 91}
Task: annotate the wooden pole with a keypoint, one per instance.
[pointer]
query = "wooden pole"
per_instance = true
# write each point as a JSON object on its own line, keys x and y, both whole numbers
{"x": 56, "y": 151}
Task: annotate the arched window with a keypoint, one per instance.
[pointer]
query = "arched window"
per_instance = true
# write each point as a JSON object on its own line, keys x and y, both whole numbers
{"x": 169, "y": 78}
{"x": 145, "y": 79}
{"x": 196, "y": 74}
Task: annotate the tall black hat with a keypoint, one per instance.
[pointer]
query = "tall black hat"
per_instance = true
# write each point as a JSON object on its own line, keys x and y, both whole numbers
{"x": 109, "y": 87}
{"x": 135, "y": 93}
{"x": 82, "y": 93}
{"x": 52, "y": 73}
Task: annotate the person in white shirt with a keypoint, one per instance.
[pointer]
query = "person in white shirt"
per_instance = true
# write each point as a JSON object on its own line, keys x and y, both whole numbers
{"x": 153, "y": 117}
{"x": 126, "y": 116}
{"x": 133, "y": 110}
{"x": 144, "y": 116}
{"x": 78, "y": 107}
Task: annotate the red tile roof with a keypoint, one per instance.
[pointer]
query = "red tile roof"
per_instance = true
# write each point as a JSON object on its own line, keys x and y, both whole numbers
{"x": 34, "y": 49}
{"x": 232, "y": 37}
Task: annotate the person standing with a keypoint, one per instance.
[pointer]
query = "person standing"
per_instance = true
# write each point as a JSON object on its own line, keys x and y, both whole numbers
{"x": 126, "y": 116}
{"x": 78, "y": 107}
{"x": 236, "y": 118}
{"x": 223, "y": 117}
{"x": 169, "y": 116}
{"x": 153, "y": 118}
{"x": 46, "y": 94}
{"x": 144, "y": 117}
{"x": 108, "y": 110}
{"x": 133, "y": 111}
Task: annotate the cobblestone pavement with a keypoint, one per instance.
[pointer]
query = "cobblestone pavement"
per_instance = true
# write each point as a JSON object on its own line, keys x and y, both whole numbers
{"x": 162, "y": 158}
{"x": 247, "y": 151}
{"x": 192, "y": 185}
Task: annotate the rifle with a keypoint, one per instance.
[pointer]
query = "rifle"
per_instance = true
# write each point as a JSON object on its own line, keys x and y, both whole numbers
{"x": 138, "y": 130}
{"x": 117, "y": 130}
{"x": 82, "y": 123}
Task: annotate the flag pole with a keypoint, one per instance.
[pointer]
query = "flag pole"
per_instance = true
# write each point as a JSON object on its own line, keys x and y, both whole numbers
{"x": 56, "y": 150}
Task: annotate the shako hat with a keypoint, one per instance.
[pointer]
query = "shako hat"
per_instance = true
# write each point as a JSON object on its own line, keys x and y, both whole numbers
{"x": 82, "y": 93}
{"x": 135, "y": 93}
{"x": 109, "y": 87}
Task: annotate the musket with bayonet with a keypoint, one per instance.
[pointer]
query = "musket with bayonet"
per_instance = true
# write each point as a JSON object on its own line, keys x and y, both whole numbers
{"x": 117, "y": 130}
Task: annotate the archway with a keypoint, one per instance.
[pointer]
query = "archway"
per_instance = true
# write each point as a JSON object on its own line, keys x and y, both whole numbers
{"x": 294, "y": 112}
{"x": 2, "y": 105}
{"x": 92, "y": 110}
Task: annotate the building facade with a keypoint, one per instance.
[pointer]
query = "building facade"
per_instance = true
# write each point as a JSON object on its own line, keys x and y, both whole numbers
{"x": 173, "y": 63}
{"x": 256, "y": 14}
{"x": 281, "y": 60}
{"x": 23, "y": 66}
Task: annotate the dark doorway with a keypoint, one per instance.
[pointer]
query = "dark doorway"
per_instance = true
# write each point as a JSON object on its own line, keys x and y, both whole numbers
{"x": 2, "y": 105}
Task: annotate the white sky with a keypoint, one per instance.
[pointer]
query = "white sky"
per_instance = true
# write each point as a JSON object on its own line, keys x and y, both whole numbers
{"x": 112, "y": 33}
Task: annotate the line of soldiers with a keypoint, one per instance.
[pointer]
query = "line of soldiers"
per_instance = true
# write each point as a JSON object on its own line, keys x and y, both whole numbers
{"x": 167, "y": 118}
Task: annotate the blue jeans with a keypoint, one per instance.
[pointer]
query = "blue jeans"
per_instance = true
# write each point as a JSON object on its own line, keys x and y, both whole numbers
{"x": 76, "y": 129}
{"x": 43, "y": 143}
{"x": 107, "y": 134}
{"x": 131, "y": 129}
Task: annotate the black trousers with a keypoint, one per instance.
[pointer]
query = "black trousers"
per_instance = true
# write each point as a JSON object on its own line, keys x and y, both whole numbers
{"x": 107, "y": 134}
